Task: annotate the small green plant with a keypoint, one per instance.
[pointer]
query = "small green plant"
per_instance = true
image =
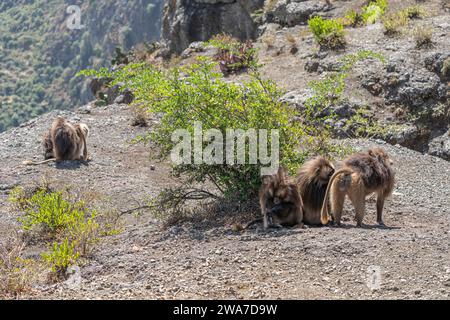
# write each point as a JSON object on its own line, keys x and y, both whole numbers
{"x": 328, "y": 33}
{"x": 327, "y": 93}
{"x": 394, "y": 22}
{"x": 423, "y": 37}
{"x": 61, "y": 257}
{"x": 52, "y": 212}
{"x": 364, "y": 125}
{"x": 233, "y": 55}
{"x": 373, "y": 11}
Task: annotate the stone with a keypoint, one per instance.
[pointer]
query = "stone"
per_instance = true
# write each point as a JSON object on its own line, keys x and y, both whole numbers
{"x": 440, "y": 146}
{"x": 295, "y": 12}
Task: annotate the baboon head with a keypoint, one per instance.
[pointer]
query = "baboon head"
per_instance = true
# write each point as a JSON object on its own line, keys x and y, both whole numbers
{"x": 380, "y": 155}
{"x": 84, "y": 128}
{"x": 277, "y": 188}
{"x": 323, "y": 169}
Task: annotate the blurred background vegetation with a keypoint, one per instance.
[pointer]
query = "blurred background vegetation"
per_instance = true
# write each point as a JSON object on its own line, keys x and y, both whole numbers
{"x": 39, "y": 54}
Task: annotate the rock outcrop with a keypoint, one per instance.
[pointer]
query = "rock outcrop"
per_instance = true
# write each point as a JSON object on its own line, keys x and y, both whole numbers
{"x": 295, "y": 12}
{"x": 187, "y": 21}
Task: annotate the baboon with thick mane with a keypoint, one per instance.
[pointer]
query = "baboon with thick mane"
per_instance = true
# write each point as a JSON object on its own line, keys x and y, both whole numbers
{"x": 64, "y": 141}
{"x": 361, "y": 175}
{"x": 280, "y": 201}
{"x": 312, "y": 182}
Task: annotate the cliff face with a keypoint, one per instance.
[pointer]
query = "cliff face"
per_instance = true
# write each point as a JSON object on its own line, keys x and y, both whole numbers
{"x": 185, "y": 21}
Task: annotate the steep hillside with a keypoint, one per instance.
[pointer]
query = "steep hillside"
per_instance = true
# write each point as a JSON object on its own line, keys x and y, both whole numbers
{"x": 40, "y": 54}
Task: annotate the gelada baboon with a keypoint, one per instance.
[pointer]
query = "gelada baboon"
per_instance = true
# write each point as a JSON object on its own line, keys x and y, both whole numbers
{"x": 361, "y": 175}
{"x": 312, "y": 182}
{"x": 280, "y": 202}
{"x": 65, "y": 141}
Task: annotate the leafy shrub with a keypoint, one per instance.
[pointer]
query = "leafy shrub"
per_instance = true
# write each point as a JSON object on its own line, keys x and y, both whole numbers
{"x": 61, "y": 257}
{"x": 53, "y": 213}
{"x": 373, "y": 11}
{"x": 328, "y": 33}
{"x": 423, "y": 37}
{"x": 196, "y": 93}
{"x": 233, "y": 55}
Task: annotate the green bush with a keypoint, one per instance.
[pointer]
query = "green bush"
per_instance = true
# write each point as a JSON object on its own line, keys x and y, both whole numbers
{"x": 374, "y": 10}
{"x": 328, "y": 33}
{"x": 53, "y": 213}
{"x": 182, "y": 96}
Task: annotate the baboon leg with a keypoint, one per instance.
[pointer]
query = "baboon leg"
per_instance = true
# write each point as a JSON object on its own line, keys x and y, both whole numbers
{"x": 358, "y": 201}
{"x": 380, "y": 205}
{"x": 262, "y": 203}
{"x": 337, "y": 203}
{"x": 299, "y": 219}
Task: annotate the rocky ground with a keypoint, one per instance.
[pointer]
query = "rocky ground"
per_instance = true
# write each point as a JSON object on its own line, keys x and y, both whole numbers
{"x": 411, "y": 254}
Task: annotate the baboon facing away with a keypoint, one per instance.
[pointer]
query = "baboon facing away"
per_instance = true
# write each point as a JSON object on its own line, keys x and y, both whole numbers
{"x": 312, "y": 181}
{"x": 361, "y": 175}
{"x": 65, "y": 141}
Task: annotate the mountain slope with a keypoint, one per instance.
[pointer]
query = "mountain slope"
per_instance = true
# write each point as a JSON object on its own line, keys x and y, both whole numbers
{"x": 40, "y": 54}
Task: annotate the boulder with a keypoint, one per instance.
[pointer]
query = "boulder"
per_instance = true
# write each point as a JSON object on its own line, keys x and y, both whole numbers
{"x": 440, "y": 146}
{"x": 295, "y": 12}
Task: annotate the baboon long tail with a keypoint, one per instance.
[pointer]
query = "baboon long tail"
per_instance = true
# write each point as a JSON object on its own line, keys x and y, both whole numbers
{"x": 33, "y": 163}
{"x": 324, "y": 216}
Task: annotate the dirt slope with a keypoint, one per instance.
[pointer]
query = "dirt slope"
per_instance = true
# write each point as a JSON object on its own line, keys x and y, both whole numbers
{"x": 188, "y": 261}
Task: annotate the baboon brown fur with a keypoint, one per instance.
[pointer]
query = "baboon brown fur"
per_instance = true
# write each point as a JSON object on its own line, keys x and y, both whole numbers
{"x": 361, "y": 175}
{"x": 312, "y": 182}
{"x": 280, "y": 201}
{"x": 65, "y": 141}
